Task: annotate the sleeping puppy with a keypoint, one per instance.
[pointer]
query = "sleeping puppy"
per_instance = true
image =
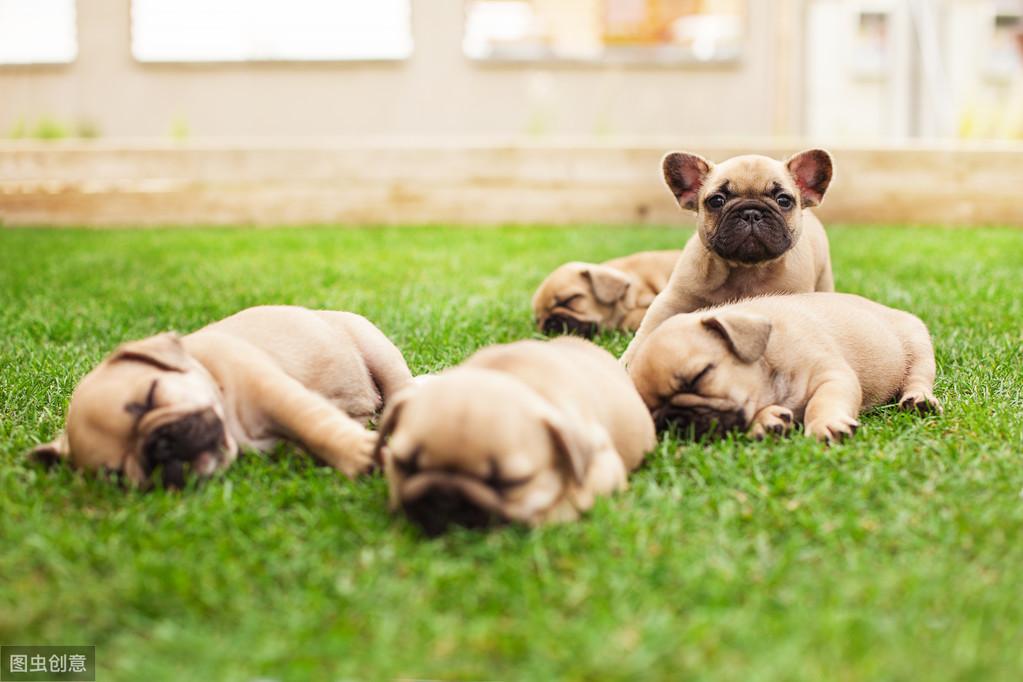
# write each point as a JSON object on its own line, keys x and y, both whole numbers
{"x": 753, "y": 237}
{"x": 169, "y": 406}
{"x": 766, "y": 363}
{"x": 527, "y": 432}
{"x": 584, "y": 298}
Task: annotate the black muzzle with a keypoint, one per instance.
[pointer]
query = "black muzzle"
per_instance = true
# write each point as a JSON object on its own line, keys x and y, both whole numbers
{"x": 700, "y": 421}
{"x": 439, "y": 508}
{"x": 172, "y": 448}
{"x": 751, "y": 232}
{"x": 562, "y": 324}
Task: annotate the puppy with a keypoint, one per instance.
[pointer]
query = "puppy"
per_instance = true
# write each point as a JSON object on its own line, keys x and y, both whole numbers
{"x": 584, "y": 298}
{"x": 754, "y": 235}
{"x": 179, "y": 405}
{"x": 527, "y": 432}
{"x": 766, "y": 363}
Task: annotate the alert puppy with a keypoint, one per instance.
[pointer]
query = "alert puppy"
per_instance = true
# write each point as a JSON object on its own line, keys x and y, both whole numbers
{"x": 754, "y": 235}
{"x": 584, "y": 298}
{"x": 175, "y": 405}
{"x": 526, "y": 432}
{"x": 766, "y": 363}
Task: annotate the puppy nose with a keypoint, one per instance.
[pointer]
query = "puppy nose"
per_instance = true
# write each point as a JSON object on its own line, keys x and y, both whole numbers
{"x": 175, "y": 444}
{"x": 553, "y": 325}
{"x": 569, "y": 325}
{"x": 442, "y": 507}
{"x": 752, "y": 215}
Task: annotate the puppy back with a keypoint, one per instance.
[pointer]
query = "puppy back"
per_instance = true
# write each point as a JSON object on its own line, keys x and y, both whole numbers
{"x": 579, "y": 378}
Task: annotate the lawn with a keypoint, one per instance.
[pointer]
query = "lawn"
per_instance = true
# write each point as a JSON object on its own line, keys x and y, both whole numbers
{"x": 895, "y": 556}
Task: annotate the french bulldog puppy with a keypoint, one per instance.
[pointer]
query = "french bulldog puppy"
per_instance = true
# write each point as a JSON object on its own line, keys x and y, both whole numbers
{"x": 754, "y": 235}
{"x": 767, "y": 363}
{"x": 527, "y": 432}
{"x": 178, "y": 405}
{"x": 584, "y": 298}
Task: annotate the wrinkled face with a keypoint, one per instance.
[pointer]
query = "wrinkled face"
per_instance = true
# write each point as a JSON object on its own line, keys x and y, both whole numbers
{"x": 689, "y": 377}
{"x": 471, "y": 448}
{"x": 148, "y": 421}
{"x": 578, "y": 298}
{"x": 749, "y": 208}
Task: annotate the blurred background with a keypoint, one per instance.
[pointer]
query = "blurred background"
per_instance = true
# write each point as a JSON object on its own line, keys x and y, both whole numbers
{"x": 329, "y": 92}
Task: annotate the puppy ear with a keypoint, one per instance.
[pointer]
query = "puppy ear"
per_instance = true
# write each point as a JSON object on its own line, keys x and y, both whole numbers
{"x": 746, "y": 335}
{"x": 685, "y": 173}
{"x": 609, "y": 285}
{"x": 572, "y": 449}
{"x": 812, "y": 172}
{"x": 163, "y": 350}
{"x": 50, "y": 454}
{"x": 388, "y": 422}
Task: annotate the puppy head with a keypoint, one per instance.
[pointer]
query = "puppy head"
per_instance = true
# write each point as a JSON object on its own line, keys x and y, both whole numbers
{"x": 148, "y": 411}
{"x": 704, "y": 370}
{"x": 476, "y": 447}
{"x": 749, "y": 208}
{"x": 580, "y": 298}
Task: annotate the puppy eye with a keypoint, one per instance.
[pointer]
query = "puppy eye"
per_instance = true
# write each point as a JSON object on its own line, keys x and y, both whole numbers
{"x": 689, "y": 385}
{"x": 137, "y": 410}
{"x": 566, "y": 303}
{"x": 502, "y": 485}
{"x": 785, "y": 202}
{"x": 409, "y": 465}
{"x": 716, "y": 200}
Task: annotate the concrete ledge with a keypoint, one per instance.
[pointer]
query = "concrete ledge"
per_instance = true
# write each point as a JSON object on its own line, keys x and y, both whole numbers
{"x": 138, "y": 183}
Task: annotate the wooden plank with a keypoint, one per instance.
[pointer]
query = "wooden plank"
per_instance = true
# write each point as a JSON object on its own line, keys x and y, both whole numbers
{"x": 454, "y": 182}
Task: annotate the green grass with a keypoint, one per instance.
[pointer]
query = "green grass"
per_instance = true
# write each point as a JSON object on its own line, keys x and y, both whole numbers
{"x": 895, "y": 556}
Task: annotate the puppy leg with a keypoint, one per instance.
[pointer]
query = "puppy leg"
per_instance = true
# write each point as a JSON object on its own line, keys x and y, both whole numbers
{"x": 563, "y": 512}
{"x": 383, "y": 359}
{"x": 773, "y": 419}
{"x": 632, "y": 320}
{"x": 605, "y": 475}
{"x": 825, "y": 281}
{"x": 324, "y": 431}
{"x": 917, "y": 390}
{"x": 667, "y": 303}
{"x": 833, "y": 405}
{"x": 693, "y": 271}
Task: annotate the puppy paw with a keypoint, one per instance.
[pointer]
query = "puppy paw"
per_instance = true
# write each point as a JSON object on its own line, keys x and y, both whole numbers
{"x": 921, "y": 401}
{"x": 772, "y": 420}
{"x": 355, "y": 456}
{"x": 832, "y": 429}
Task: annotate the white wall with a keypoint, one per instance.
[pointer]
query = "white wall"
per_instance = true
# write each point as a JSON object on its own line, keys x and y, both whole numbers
{"x": 438, "y": 91}
{"x": 937, "y": 76}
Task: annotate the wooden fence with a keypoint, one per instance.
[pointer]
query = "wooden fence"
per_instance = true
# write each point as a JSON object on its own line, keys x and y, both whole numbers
{"x": 458, "y": 182}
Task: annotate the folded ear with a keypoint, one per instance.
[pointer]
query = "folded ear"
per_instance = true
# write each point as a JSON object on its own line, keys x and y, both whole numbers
{"x": 163, "y": 350}
{"x": 746, "y": 335}
{"x": 50, "y": 454}
{"x": 389, "y": 421}
{"x": 609, "y": 285}
{"x": 573, "y": 449}
{"x": 812, "y": 172}
{"x": 685, "y": 173}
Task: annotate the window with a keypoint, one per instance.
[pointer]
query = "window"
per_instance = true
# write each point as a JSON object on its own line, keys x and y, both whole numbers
{"x": 605, "y": 30}
{"x": 1006, "y": 41}
{"x": 37, "y": 32}
{"x": 270, "y": 30}
{"x": 870, "y": 53}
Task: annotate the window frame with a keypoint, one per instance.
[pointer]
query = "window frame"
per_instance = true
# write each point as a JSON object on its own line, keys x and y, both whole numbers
{"x": 71, "y": 56}
{"x": 404, "y": 56}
